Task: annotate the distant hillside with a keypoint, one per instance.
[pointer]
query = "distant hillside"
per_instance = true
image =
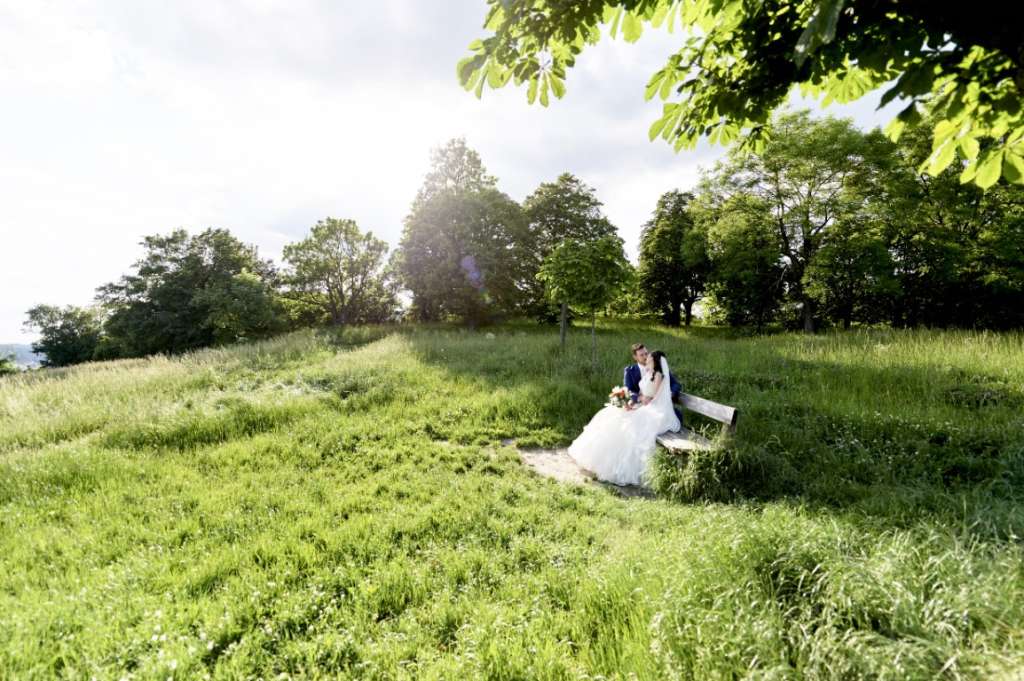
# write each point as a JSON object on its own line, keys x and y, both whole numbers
{"x": 23, "y": 355}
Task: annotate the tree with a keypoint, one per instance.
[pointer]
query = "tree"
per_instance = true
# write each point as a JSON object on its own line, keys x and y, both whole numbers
{"x": 465, "y": 247}
{"x": 181, "y": 295}
{"x": 808, "y": 177}
{"x": 629, "y": 299}
{"x": 958, "y": 251}
{"x": 961, "y": 63}
{"x": 7, "y": 365}
{"x": 747, "y": 272}
{"x": 587, "y": 275}
{"x": 454, "y": 167}
{"x": 240, "y": 308}
{"x": 342, "y": 271}
{"x": 674, "y": 263}
{"x": 852, "y": 276}
{"x": 564, "y": 209}
{"x": 67, "y": 335}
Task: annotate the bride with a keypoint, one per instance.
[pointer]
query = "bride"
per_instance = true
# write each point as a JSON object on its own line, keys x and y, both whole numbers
{"x": 617, "y": 444}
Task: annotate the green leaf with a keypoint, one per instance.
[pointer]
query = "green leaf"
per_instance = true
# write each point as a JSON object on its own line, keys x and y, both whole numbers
{"x": 531, "y": 90}
{"x": 894, "y": 129}
{"x": 673, "y": 13}
{"x": 942, "y": 157}
{"x": 888, "y": 96}
{"x": 908, "y": 117}
{"x": 1013, "y": 167}
{"x": 632, "y": 27}
{"x": 729, "y": 133}
{"x": 968, "y": 173}
{"x": 821, "y": 30}
{"x": 653, "y": 84}
{"x": 494, "y": 75}
{"x": 544, "y": 86}
{"x": 666, "y": 86}
{"x": 495, "y": 18}
{"x": 480, "y": 80}
{"x": 614, "y": 15}
{"x": 557, "y": 86}
{"x": 990, "y": 167}
{"x": 917, "y": 79}
{"x": 464, "y": 69}
{"x": 656, "y": 127}
{"x": 660, "y": 12}
{"x": 970, "y": 147}
{"x": 942, "y": 132}
{"x": 851, "y": 86}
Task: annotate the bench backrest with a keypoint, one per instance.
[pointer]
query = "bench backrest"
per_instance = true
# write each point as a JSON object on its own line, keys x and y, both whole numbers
{"x": 722, "y": 413}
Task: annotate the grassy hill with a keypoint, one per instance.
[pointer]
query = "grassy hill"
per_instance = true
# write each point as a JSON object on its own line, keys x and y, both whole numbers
{"x": 342, "y": 506}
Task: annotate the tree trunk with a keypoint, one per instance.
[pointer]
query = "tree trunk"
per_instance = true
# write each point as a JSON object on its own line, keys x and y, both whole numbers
{"x": 846, "y": 323}
{"x": 563, "y": 324}
{"x": 808, "y": 313}
{"x": 672, "y": 318}
{"x": 688, "y": 311}
{"x": 593, "y": 338}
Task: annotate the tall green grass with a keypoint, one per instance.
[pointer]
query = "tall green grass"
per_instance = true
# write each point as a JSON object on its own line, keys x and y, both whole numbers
{"x": 342, "y": 506}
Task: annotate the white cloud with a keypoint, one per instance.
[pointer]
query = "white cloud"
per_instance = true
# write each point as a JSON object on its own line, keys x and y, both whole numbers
{"x": 122, "y": 119}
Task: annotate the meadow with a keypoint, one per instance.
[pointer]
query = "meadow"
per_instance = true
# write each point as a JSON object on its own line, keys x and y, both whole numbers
{"x": 347, "y": 505}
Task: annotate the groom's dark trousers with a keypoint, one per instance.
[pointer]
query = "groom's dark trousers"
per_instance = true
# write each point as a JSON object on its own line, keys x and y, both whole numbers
{"x": 631, "y": 380}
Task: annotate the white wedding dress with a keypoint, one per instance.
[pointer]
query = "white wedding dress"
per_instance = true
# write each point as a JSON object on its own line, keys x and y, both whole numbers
{"x": 617, "y": 445}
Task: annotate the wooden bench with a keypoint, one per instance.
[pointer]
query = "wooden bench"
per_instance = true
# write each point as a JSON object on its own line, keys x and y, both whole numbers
{"x": 686, "y": 440}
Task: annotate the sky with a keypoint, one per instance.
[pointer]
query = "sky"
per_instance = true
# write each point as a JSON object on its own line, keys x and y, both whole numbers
{"x": 123, "y": 118}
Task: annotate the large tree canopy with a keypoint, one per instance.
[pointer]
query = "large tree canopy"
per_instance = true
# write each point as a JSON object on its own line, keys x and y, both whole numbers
{"x": 464, "y": 251}
{"x": 962, "y": 63}
{"x": 674, "y": 264}
{"x": 564, "y": 209}
{"x": 341, "y": 270}
{"x": 189, "y": 291}
{"x": 806, "y": 180}
{"x": 67, "y": 335}
{"x": 830, "y": 225}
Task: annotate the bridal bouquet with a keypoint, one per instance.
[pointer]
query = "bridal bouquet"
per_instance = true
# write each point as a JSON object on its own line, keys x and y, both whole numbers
{"x": 618, "y": 397}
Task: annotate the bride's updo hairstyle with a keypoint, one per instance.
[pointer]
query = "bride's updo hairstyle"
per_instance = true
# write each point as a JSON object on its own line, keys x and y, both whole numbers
{"x": 657, "y": 356}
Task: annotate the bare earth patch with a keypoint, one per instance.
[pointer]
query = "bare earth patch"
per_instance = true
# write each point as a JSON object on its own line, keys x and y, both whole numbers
{"x": 557, "y": 464}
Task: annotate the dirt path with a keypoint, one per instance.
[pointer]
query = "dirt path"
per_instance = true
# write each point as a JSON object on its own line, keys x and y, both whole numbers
{"x": 556, "y": 464}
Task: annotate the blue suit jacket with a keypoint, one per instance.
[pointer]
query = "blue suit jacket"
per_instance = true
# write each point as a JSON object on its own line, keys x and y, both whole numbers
{"x": 631, "y": 379}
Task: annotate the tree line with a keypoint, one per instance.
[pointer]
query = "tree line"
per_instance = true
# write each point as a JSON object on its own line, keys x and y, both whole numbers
{"x": 825, "y": 225}
{"x": 196, "y": 290}
{"x": 830, "y": 225}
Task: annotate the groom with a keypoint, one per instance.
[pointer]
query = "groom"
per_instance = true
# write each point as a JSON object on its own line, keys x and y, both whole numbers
{"x": 631, "y": 378}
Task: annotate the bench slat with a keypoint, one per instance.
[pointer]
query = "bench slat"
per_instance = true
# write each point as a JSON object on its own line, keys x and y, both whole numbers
{"x": 713, "y": 410}
{"x": 684, "y": 441}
